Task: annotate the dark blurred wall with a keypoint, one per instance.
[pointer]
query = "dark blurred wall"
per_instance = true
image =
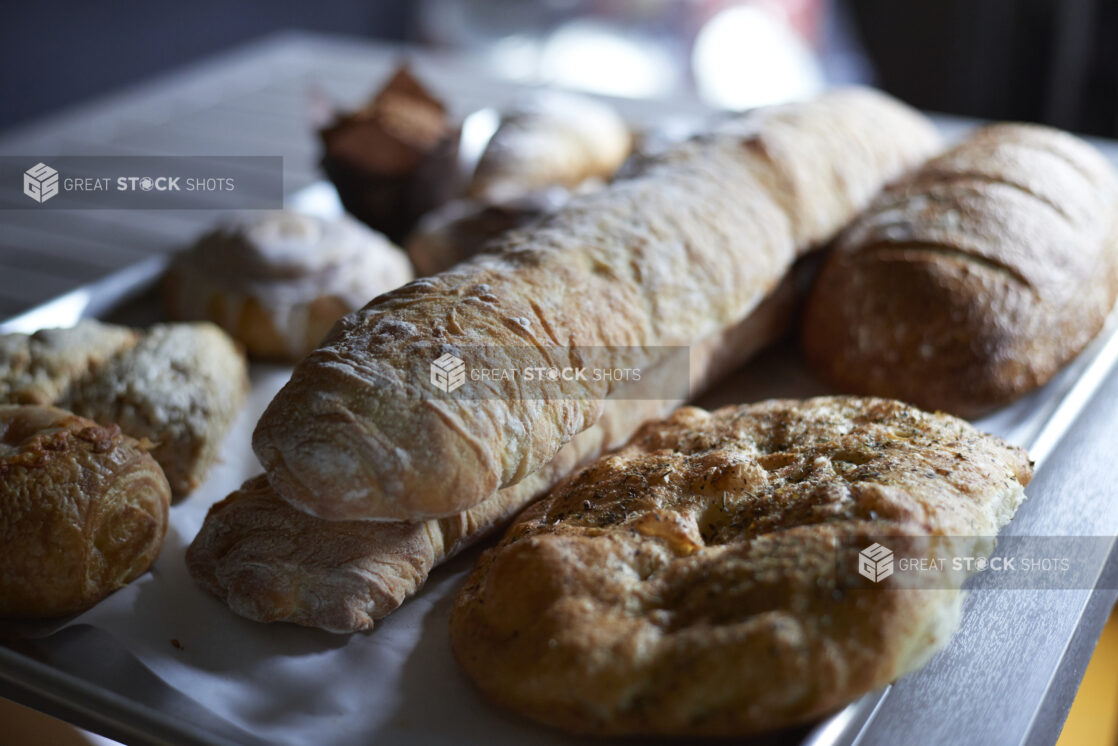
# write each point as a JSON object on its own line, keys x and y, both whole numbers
{"x": 1051, "y": 61}
{"x": 57, "y": 53}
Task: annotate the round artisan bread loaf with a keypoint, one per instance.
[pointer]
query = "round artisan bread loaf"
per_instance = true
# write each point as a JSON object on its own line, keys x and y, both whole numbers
{"x": 973, "y": 280}
{"x": 83, "y": 511}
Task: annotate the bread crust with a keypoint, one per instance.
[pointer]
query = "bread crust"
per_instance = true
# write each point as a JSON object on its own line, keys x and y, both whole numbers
{"x": 686, "y": 585}
{"x": 271, "y": 562}
{"x": 83, "y": 511}
{"x": 679, "y": 252}
{"x": 39, "y": 368}
{"x": 552, "y": 139}
{"x": 975, "y": 279}
{"x": 179, "y": 388}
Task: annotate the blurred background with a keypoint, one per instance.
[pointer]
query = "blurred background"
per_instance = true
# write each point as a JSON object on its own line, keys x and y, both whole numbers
{"x": 1048, "y": 61}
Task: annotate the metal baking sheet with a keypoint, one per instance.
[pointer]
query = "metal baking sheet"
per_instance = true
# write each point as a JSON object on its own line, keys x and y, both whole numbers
{"x": 162, "y": 661}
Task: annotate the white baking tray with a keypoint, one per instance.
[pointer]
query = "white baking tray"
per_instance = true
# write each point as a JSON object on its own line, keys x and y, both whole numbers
{"x": 163, "y": 661}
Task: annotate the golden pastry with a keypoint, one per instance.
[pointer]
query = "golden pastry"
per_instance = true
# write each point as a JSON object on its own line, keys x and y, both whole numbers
{"x": 39, "y": 368}
{"x": 277, "y": 281}
{"x": 83, "y": 511}
{"x": 550, "y": 139}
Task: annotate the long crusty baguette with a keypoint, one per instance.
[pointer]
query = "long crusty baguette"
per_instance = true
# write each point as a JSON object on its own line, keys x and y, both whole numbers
{"x": 975, "y": 279}
{"x": 704, "y": 580}
{"x": 685, "y": 248}
{"x": 271, "y": 562}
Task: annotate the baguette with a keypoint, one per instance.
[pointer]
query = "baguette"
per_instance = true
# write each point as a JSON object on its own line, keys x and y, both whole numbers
{"x": 974, "y": 280}
{"x": 679, "y": 252}
{"x": 273, "y": 563}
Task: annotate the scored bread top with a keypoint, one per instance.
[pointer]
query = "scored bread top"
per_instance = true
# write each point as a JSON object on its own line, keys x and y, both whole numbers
{"x": 976, "y": 278}
{"x": 683, "y": 249}
{"x": 688, "y": 585}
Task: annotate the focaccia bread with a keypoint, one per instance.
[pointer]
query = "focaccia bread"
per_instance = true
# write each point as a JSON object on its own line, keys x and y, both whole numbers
{"x": 83, "y": 511}
{"x": 278, "y": 280}
{"x": 39, "y": 368}
{"x": 679, "y": 252}
{"x": 975, "y": 279}
{"x": 179, "y": 387}
{"x": 688, "y": 584}
{"x": 271, "y": 562}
